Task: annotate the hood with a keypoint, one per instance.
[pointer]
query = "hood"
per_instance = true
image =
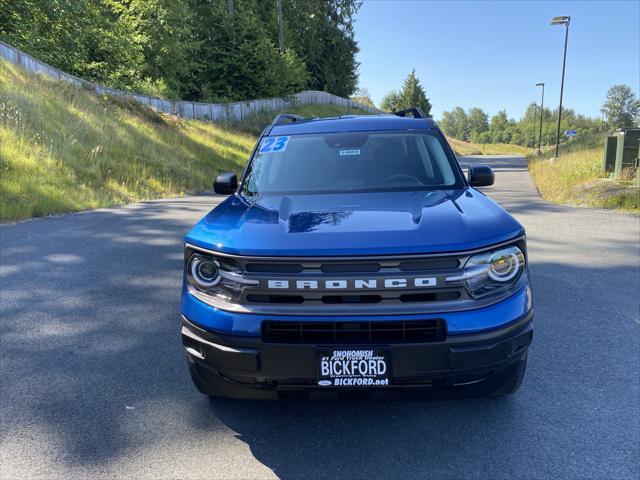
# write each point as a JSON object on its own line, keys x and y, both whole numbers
{"x": 355, "y": 224}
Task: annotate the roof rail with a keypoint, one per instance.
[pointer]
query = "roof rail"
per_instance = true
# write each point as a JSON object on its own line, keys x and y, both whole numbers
{"x": 417, "y": 112}
{"x": 283, "y": 117}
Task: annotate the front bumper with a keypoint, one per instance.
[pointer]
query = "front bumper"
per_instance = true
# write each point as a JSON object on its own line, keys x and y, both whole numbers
{"x": 246, "y": 367}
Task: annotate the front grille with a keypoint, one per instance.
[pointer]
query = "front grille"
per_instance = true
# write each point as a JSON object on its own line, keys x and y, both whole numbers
{"x": 373, "y": 269}
{"x": 430, "y": 296}
{"x": 257, "y": 298}
{"x": 368, "y": 285}
{"x": 351, "y": 299}
{"x": 425, "y": 297}
{"x": 346, "y": 332}
{"x": 446, "y": 263}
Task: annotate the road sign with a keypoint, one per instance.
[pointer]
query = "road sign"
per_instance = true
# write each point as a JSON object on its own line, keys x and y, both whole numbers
{"x": 570, "y": 133}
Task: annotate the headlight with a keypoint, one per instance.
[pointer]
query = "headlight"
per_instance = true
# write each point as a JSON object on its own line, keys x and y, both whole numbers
{"x": 205, "y": 272}
{"x": 215, "y": 276}
{"x": 491, "y": 272}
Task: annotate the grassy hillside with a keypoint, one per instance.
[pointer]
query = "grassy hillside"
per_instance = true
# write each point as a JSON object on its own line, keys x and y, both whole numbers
{"x": 466, "y": 148}
{"x": 577, "y": 177}
{"x": 65, "y": 149}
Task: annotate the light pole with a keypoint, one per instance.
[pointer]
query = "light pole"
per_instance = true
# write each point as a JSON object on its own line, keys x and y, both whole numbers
{"x": 541, "y": 84}
{"x": 561, "y": 21}
{"x": 535, "y": 122}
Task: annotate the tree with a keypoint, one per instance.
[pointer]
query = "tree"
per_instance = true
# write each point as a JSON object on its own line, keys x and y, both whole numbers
{"x": 473, "y": 126}
{"x": 498, "y": 127}
{"x": 413, "y": 95}
{"x": 622, "y": 108}
{"x": 455, "y": 124}
{"x": 362, "y": 96}
{"x": 239, "y": 61}
{"x": 95, "y": 40}
{"x": 321, "y": 34}
{"x": 528, "y": 127}
{"x": 478, "y": 123}
{"x": 164, "y": 29}
{"x": 461, "y": 123}
{"x": 389, "y": 102}
{"x": 175, "y": 47}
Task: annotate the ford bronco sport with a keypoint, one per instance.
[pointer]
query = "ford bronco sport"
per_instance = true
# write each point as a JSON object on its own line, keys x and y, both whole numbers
{"x": 355, "y": 257}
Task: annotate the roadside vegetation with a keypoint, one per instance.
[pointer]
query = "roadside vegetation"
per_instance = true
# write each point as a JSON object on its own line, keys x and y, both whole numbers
{"x": 620, "y": 109}
{"x": 213, "y": 51}
{"x": 577, "y": 177}
{"x": 65, "y": 149}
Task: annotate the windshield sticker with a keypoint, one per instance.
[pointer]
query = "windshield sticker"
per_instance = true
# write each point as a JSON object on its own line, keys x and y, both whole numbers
{"x": 274, "y": 144}
{"x": 353, "y": 151}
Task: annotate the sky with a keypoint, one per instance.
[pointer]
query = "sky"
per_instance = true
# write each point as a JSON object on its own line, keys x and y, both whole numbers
{"x": 490, "y": 54}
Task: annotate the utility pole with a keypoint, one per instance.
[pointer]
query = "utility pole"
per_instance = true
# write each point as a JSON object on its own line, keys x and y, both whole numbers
{"x": 230, "y": 6}
{"x": 541, "y": 84}
{"x": 535, "y": 123}
{"x": 561, "y": 21}
{"x": 280, "y": 31}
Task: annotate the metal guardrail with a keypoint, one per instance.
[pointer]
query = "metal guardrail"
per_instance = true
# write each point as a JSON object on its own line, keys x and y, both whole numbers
{"x": 181, "y": 108}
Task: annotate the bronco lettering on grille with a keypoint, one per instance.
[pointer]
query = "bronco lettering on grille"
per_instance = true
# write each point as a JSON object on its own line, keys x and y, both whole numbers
{"x": 356, "y": 284}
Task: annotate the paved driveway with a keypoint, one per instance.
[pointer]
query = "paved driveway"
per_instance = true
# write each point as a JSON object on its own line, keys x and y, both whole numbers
{"x": 94, "y": 381}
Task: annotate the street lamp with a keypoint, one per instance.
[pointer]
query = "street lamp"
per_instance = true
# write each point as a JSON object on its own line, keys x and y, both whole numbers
{"x": 561, "y": 21}
{"x": 541, "y": 84}
{"x": 535, "y": 122}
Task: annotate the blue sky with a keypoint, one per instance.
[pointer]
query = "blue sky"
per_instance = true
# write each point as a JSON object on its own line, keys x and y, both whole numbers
{"x": 489, "y": 54}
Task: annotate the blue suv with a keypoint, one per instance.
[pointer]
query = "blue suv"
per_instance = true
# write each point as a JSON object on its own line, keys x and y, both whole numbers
{"x": 354, "y": 257}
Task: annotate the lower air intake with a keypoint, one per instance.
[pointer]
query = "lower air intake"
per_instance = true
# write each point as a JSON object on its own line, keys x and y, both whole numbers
{"x": 344, "y": 332}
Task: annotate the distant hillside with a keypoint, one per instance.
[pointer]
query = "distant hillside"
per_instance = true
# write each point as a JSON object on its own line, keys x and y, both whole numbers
{"x": 466, "y": 148}
{"x": 65, "y": 149}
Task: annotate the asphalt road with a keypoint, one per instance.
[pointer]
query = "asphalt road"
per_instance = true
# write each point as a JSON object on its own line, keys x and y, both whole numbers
{"x": 94, "y": 381}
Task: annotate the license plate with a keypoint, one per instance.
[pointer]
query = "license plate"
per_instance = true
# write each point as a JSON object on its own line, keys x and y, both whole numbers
{"x": 361, "y": 367}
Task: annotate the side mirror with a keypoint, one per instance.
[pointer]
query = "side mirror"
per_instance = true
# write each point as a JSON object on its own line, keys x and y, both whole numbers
{"x": 480, "y": 176}
{"x": 226, "y": 184}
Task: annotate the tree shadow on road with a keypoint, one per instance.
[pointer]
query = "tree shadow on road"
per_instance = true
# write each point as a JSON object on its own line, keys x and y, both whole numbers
{"x": 575, "y": 400}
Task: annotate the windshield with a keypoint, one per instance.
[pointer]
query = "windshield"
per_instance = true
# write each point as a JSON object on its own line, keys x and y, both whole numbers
{"x": 350, "y": 162}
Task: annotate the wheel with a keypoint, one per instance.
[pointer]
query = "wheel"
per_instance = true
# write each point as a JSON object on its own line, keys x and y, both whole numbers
{"x": 513, "y": 384}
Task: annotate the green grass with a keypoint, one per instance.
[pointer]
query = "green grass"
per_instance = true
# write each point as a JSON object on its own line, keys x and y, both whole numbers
{"x": 577, "y": 177}
{"x": 467, "y": 148}
{"x": 65, "y": 149}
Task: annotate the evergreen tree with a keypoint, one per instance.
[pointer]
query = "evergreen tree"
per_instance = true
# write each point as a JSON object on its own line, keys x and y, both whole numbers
{"x": 240, "y": 62}
{"x": 413, "y": 95}
{"x": 322, "y": 35}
